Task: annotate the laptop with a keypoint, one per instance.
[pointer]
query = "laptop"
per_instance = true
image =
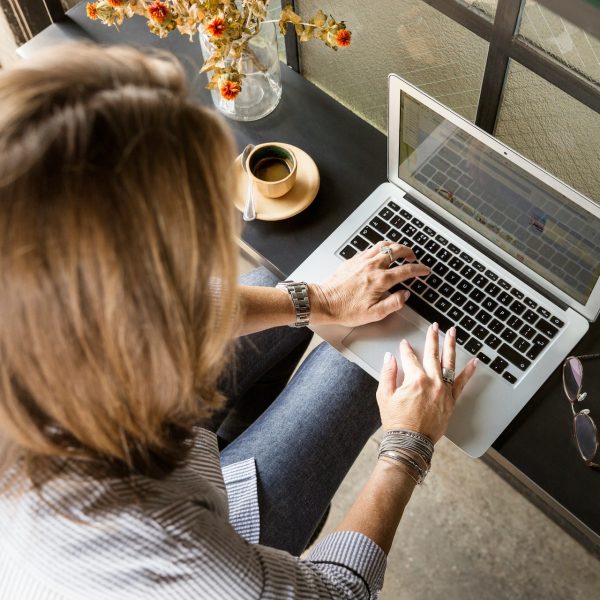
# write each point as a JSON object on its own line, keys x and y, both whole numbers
{"x": 514, "y": 256}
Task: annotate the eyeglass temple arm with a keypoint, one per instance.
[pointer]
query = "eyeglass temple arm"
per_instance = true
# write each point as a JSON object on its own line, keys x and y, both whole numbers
{"x": 588, "y": 356}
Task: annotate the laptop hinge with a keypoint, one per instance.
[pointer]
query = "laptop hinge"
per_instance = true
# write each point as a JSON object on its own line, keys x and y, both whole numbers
{"x": 486, "y": 251}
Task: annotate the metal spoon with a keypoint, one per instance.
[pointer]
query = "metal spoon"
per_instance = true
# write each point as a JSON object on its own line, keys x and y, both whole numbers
{"x": 249, "y": 210}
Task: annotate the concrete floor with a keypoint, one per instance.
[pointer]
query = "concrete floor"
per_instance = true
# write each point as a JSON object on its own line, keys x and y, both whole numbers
{"x": 467, "y": 534}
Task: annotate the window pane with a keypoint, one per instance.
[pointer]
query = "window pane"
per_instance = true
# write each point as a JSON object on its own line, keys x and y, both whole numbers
{"x": 561, "y": 39}
{"x": 552, "y": 128}
{"x": 406, "y": 37}
{"x": 486, "y": 8}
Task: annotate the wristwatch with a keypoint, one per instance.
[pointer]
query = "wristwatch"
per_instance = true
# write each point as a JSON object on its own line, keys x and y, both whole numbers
{"x": 298, "y": 291}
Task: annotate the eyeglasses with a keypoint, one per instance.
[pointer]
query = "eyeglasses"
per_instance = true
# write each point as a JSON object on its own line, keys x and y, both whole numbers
{"x": 584, "y": 428}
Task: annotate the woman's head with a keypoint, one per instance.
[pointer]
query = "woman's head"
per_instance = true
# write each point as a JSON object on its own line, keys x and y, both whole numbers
{"x": 117, "y": 258}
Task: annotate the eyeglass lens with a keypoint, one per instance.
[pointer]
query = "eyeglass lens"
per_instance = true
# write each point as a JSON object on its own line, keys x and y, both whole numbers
{"x": 572, "y": 376}
{"x": 585, "y": 434}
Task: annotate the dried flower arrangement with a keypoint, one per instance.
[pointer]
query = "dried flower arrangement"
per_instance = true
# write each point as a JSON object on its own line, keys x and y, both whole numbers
{"x": 227, "y": 24}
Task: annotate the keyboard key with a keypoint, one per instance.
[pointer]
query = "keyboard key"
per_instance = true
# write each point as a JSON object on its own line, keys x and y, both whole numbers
{"x": 453, "y": 248}
{"x": 514, "y": 322}
{"x": 393, "y": 205}
{"x": 456, "y": 263}
{"x": 493, "y": 341}
{"x": 547, "y": 329}
{"x": 508, "y": 335}
{"x": 428, "y": 260}
{"x": 458, "y": 299}
{"x": 504, "y": 284}
{"x": 545, "y": 313}
{"x": 397, "y": 221}
{"x": 430, "y": 232}
{"x": 473, "y": 346}
{"x": 498, "y": 365}
{"x": 522, "y": 345}
{"x": 429, "y": 312}
{"x": 453, "y": 277}
{"x": 417, "y": 250}
{"x": 371, "y": 235}
{"x": 386, "y": 214}
{"x": 505, "y": 298}
{"x": 432, "y": 246}
{"x": 421, "y": 238}
{"x": 470, "y": 307}
{"x": 441, "y": 269}
{"x": 517, "y": 307}
{"x": 406, "y": 241}
{"x": 348, "y": 252}
{"x": 484, "y": 358}
{"x": 527, "y": 332}
{"x": 492, "y": 289}
{"x": 529, "y": 316}
{"x": 509, "y": 377}
{"x": 443, "y": 304}
{"x": 496, "y": 326}
{"x": 539, "y": 343}
{"x": 480, "y": 281}
{"x": 468, "y": 272}
{"x": 477, "y": 294}
{"x": 444, "y": 255}
{"x": 409, "y": 230}
{"x": 417, "y": 223}
{"x": 393, "y": 235}
{"x": 441, "y": 239}
{"x": 480, "y": 332}
{"x": 491, "y": 275}
{"x": 514, "y": 357}
{"x": 477, "y": 265}
{"x": 489, "y": 304}
{"x": 431, "y": 296}
{"x": 405, "y": 214}
{"x": 466, "y": 257}
{"x": 380, "y": 225}
{"x": 360, "y": 243}
{"x": 455, "y": 314}
{"x": 464, "y": 286}
{"x": 446, "y": 290}
{"x": 461, "y": 336}
{"x": 517, "y": 294}
{"x": 483, "y": 317}
{"x": 418, "y": 286}
{"x": 502, "y": 313}
{"x": 531, "y": 303}
{"x": 434, "y": 281}
{"x": 556, "y": 321}
{"x": 468, "y": 323}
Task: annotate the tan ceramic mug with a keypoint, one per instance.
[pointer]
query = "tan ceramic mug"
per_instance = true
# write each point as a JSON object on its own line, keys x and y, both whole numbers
{"x": 272, "y": 168}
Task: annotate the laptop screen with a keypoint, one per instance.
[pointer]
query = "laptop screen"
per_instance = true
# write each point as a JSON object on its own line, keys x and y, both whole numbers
{"x": 534, "y": 223}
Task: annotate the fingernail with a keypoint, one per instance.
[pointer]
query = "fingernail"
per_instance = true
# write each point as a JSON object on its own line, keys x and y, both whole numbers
{"x": 452, "y": 331}
{"x": 475, "y": 362}
{"x": 436, "y": 327}
{"x": 406, "y": 296}
{"x": 387, "y": 358}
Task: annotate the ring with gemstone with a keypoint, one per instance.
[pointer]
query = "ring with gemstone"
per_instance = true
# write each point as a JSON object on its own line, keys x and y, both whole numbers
{"x": 448, "y": 375}
{"x": 387, "y": 250}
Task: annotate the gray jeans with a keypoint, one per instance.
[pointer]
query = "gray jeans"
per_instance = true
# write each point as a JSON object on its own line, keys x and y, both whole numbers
{"x": 304, "y": 434}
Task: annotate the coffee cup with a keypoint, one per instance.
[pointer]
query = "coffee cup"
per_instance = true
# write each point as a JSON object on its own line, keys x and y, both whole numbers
{"x": 272, "y": 168}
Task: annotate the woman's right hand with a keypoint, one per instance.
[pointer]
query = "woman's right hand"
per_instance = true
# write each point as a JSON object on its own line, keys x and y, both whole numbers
{"x": 423, "y": 402}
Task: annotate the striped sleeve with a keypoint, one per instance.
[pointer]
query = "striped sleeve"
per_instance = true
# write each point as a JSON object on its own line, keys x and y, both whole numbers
{"x": 244, "y": 516}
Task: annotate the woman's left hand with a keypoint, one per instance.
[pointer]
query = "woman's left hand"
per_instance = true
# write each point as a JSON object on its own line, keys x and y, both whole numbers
{"x": 357, "y": 293}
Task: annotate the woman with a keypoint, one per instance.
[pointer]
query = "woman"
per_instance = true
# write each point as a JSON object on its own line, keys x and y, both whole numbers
{"x": 119, "y": 305}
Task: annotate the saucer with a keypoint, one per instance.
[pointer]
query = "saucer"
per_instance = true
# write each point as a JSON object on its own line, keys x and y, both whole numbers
{"x": 293, "y": 202}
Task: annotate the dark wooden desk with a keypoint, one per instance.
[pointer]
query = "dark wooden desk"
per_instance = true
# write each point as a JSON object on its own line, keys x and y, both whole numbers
{"x": 536, "y": 452}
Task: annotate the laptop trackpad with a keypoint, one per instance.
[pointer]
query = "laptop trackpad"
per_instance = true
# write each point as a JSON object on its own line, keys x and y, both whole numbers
{"x": 371, "y": 342}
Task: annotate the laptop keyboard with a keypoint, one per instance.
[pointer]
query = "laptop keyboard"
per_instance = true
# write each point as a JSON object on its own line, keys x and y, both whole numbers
{"x": 494, "y": 321}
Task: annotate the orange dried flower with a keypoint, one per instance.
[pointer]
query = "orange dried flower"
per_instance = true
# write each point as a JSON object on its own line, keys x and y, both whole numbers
{"x": 230, "y": 89}
{"x": 343, "y": 37}
{"x": 216, "y": 27}
{"x": 91, "y": 10}
{"x": 158, "y": 11}
{"x": 116, "y": 3}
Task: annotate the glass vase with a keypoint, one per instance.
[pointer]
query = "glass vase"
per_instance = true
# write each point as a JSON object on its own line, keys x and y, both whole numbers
{"x": 261, "y": 86}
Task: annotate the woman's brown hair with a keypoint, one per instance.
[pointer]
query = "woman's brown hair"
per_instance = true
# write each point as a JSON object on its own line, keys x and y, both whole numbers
{"x": 117, "y": 259}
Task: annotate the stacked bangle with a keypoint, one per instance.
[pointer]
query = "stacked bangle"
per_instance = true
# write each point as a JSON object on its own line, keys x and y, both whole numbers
{"x": 410, "y": 448}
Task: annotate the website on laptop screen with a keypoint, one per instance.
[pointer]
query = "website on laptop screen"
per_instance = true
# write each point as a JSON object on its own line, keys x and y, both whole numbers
{"x": 534, "y": 223}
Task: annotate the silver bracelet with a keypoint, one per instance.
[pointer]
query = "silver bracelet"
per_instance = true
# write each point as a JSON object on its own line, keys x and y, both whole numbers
{"x": 410, "y": 448}
{"x": 298, "y": 291}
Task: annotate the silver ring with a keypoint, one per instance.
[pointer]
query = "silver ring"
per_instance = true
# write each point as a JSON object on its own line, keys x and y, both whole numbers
{"x": 387, "y": 250}
{"x": 448, "y": 375}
